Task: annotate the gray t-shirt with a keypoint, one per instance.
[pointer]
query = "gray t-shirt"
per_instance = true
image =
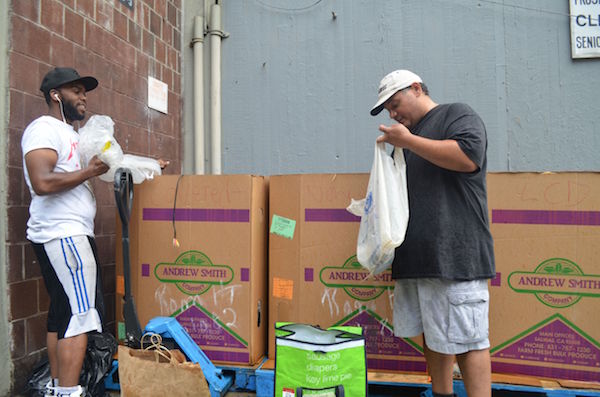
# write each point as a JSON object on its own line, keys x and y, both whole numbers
{"x": 448, "y": 232}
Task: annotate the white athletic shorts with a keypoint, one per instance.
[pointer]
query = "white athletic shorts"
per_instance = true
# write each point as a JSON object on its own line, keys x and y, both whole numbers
{"x": 70, "y": 272}
{"x": 452, "y": 315}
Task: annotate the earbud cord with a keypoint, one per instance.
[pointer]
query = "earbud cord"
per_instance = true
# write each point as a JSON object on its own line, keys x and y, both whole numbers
{"x": 62, "y": 113}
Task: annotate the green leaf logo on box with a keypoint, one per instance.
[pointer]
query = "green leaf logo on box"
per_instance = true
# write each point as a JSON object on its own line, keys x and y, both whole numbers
{"x": 355, "y": 280}
{"x": 193, "y": 273}
{"x": 556, "y": 282}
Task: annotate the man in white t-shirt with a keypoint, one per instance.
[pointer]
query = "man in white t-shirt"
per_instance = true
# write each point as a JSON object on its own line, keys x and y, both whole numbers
{"x": 61, "y": 225}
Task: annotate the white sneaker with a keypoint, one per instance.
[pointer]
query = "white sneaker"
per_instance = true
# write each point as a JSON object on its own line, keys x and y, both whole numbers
{"x": 79, "y": 392}
{"x": 49, "y": 389}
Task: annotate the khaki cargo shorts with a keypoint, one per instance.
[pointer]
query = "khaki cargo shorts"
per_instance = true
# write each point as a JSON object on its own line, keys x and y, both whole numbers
{"x": 453, "y": 315}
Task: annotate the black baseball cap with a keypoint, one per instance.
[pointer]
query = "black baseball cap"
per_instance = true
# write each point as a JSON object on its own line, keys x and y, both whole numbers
{"x": 58, "y": 77}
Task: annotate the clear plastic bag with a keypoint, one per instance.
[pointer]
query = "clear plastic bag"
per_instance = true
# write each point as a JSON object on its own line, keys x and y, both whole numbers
{"x": 142, "y": 168}
{"x": 383, "y": 212}
{"x": 96, "y": 138}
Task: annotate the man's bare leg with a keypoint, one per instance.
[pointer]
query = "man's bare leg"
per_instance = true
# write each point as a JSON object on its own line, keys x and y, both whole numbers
{"x": 51, "y": 344}
{"x": 71, "y": 352}
{"x": 439, "y": 367}
{"x": 476, "y": 370}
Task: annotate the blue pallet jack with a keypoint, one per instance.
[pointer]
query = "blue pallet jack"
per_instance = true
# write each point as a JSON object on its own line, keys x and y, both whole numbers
{"x": 167, "y": 327}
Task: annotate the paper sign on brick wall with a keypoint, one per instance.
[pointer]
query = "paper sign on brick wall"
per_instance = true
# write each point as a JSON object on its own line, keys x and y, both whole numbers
{"x": 158, "y": 95}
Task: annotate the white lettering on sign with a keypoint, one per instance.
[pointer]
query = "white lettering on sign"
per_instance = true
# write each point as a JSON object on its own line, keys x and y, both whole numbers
{"x": 585, "y": 28}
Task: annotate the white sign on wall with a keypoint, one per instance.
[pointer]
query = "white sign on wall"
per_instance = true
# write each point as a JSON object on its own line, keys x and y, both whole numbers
{"x": 585, "y": 28}
{"x": 158, "y": 95}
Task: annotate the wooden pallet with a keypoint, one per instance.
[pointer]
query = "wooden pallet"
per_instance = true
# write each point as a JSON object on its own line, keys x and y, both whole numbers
{"x": 260, "y": 379}
{"x": 408, "y": 385}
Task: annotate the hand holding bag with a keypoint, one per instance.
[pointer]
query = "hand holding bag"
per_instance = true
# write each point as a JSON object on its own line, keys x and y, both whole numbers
{"x": 383, "y": 212}
{"x": 96, "y": 138}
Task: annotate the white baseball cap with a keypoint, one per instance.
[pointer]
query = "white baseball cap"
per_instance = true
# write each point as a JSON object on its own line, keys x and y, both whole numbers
{"x": 391, "y": 84}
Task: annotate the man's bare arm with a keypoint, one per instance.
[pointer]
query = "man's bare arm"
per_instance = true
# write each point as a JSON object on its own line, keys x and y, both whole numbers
{"x": 446, "y": 154}
{"x": 40, "y": 166}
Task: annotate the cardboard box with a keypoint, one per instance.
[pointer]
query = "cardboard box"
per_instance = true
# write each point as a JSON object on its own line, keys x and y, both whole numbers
{"x": 544, "y": 306}
{"x": 215, "y": 282}
{"x": 314, "y": 276}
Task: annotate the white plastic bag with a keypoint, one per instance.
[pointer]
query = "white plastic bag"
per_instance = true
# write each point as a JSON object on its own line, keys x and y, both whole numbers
{"x": 383, "y": 212}
{"x": 96, "y": 138}
{"x": 142, "y": 168}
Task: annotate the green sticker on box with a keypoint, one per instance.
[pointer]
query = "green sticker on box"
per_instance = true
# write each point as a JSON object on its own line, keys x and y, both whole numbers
{"x": 283, "y": 227}
{"x": 121, "y": 330}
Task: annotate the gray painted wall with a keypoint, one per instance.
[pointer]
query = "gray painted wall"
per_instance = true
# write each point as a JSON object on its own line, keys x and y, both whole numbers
{"x": 300, "y": 76}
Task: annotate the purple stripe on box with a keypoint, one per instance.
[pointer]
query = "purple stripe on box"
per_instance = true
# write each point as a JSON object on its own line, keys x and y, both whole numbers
{"x": 145, "y": 270}
{"x": 245, "y": 274}
{"x": 396, "y": 365}
{"x": 545, "y": 372}
{"x": 496, "y": 281}
{"x": 329, "y": 215}
{"x": 308, "y": 274}
{"x": 541, "y": 217}
{"x": 196, "y": 215}
{"x": 222, "y": 355}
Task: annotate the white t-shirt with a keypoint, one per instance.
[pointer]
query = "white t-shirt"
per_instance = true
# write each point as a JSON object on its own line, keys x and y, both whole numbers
{"x": 68, "y": 213}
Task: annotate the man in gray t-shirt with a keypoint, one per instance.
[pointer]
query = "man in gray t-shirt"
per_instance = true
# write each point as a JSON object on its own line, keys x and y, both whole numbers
{"x": 441, "y": 269}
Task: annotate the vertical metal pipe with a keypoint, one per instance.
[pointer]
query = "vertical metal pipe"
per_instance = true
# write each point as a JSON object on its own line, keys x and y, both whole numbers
{"x": 216, "y": 33}
{"x": 198, "y": 45}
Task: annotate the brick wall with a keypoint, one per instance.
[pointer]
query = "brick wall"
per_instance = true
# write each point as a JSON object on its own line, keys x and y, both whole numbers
{"x": 121, "y": 47}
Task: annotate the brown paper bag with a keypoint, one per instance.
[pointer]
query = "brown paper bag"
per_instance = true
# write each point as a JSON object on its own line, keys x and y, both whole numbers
{"x": 148, "y": 373}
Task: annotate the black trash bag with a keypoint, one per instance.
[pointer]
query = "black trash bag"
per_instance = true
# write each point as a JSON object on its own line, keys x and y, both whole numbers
{"x": 38, "y": 379}
{"x": 97, "y": 363}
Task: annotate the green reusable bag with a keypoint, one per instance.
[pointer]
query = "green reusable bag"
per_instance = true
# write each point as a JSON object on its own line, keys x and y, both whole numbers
{"x": 310, "y": 361}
